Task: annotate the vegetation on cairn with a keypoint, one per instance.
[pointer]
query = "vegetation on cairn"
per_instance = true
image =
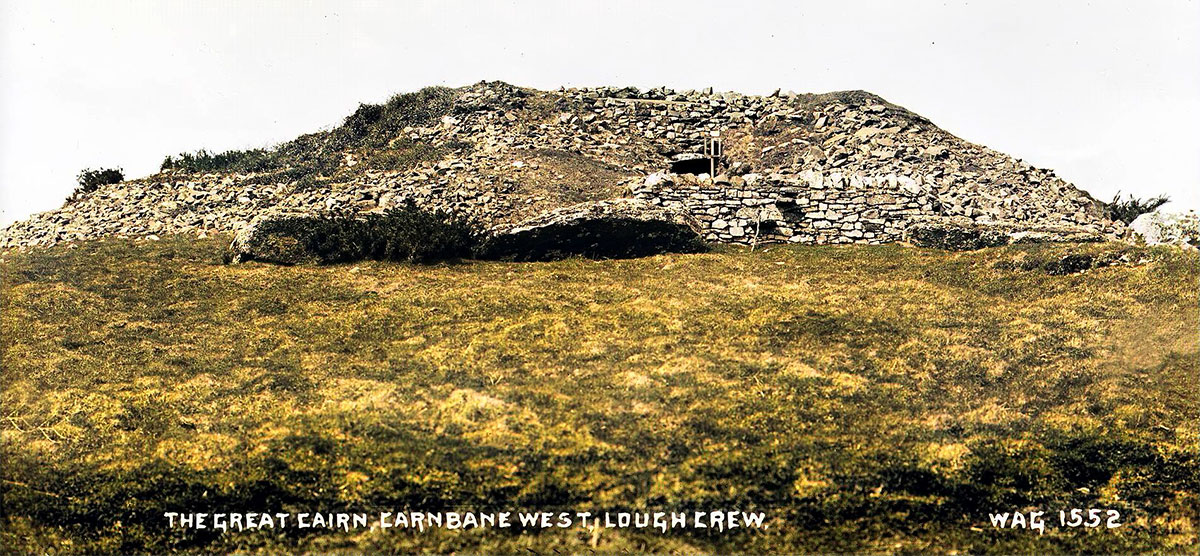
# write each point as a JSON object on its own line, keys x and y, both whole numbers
{"x": 90, "y": 180}
{"x": 253, "y": 160}
{"x": 866, "y": 398}
{"x": 370, "y": 132}
{"x": 1128, "y": 210}
{"x": 405, "y": 233}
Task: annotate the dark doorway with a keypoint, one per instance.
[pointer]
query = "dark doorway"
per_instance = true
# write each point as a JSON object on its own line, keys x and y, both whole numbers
{"x": 698, "y": 165}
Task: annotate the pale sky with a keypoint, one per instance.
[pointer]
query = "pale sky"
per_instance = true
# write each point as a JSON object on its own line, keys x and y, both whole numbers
{"x": 1105, "y": 92}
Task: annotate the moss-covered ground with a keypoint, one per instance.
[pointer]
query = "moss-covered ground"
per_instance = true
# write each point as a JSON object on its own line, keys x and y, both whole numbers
{"x": 865, "y": 398}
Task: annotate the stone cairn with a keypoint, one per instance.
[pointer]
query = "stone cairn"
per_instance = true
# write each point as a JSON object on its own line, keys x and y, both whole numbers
{"x": 843, "y": 167}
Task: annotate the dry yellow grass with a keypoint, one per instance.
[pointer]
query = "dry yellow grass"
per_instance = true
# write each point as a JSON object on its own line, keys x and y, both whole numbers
{"x": 866, "y": 398}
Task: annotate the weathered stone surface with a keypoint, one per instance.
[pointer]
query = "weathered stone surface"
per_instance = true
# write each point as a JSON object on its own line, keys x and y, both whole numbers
{"x": 606, "y": 229}
{"x": 1074, "y": 263}
{"x": 953, "y": 236}
{"x": 1158, "y": 228}
{"x": 962, "y": 234}
{"x": 272, "y": 237}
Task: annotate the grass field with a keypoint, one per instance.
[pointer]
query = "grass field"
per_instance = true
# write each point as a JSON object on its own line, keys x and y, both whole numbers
{"x": 865, "y": 398}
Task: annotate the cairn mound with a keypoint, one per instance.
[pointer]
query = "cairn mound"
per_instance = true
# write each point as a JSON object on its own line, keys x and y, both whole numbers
{"x": 842, "y": 167}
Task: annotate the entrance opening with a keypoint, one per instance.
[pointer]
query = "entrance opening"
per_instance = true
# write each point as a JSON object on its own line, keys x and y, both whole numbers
{"x": 695, "y": 164}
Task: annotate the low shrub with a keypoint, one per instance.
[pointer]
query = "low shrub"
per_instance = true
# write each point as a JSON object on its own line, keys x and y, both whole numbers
{"x": 252, "y": 160}
{"x": 412, "y": 234}
{"x": 373, "y": 125}
{"x": 359, "y": 123}
{"x": 91, "y": 180}
{"x": 407, "y": 233}
{"x": 1128, "y": 210}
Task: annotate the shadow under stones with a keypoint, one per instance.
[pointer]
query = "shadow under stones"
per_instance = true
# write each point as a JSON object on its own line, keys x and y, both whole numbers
{"x": 615, "y": 238}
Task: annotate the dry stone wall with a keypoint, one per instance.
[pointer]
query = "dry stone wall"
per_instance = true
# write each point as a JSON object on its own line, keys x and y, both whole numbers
{"x": 811, "y": 207}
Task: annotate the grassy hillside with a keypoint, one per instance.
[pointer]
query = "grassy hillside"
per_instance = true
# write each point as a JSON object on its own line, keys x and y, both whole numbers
{"x": 865, "y": 398}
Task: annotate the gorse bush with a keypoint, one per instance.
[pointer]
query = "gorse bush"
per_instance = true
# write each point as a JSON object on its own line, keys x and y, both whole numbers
{"x": 1128, "y": 210}
{"x": 412, "y": 234}
{"x": 91, "y": 180}
{"x": 253, "y": 160}
{"x": 374, "y": 125}
{"x": 406, "y": 233}
{"x": 359, "y": 123}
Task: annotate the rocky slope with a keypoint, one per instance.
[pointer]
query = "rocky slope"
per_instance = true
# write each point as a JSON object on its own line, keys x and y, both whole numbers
{"x": 828, "y": 168}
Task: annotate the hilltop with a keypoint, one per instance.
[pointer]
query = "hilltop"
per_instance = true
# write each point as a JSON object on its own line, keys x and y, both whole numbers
{"x": 844, "y": 167}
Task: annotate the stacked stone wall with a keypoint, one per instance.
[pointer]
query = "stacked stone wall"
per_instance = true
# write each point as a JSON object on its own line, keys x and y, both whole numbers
{"x": 811, "y": 207}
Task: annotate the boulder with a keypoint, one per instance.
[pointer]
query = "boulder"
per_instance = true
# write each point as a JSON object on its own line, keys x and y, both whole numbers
{"x": 619, "y": 228}
{"x": 274, "y": 236}
{"x": 1157, "y": 228}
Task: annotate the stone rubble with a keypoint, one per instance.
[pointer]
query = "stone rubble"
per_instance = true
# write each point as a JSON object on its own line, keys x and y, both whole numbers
{"x": 843, "y": 167}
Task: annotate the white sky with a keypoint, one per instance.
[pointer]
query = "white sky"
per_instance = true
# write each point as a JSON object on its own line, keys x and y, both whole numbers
{"x": 1105, "y": 92}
